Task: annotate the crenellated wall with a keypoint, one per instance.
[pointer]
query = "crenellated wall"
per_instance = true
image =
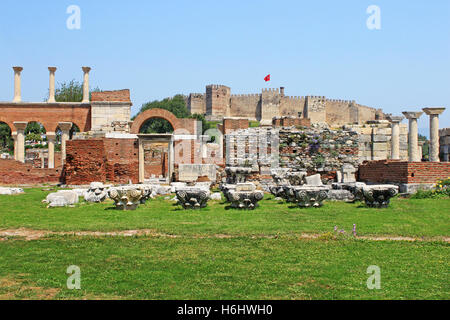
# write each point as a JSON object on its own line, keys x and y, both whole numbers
{"x": 218, "y": 102}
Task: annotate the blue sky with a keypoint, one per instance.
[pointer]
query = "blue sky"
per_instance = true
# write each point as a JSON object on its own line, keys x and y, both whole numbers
{"x": 161, "y": 48}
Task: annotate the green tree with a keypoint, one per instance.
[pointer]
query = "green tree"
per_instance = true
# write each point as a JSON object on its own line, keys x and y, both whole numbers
{"x": 426, "y": 147}
{"x": 34, "y": 127}
{"x": 6, "y": 141}
{"x": 71, "y": 91}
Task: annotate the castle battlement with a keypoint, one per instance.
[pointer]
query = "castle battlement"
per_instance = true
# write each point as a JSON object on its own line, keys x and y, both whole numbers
{"x": 218, "y": 102}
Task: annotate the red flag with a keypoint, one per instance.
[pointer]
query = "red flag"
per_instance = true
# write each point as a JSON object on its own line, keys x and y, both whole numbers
{"x": 267, "y": 78}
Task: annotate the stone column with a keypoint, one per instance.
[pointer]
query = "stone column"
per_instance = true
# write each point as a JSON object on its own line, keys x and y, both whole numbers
{"x": 14, "y": 136}
{"x": 51, "y": 138}
{"x": 17, "y": 84}
{"x": 20, "y": 129}
{"x": 421, "y": 144}
{"x": 434, "y": 131}
{"x": 51, "y": 87}
{"x": 65, "y": 134}
{"x": 86, "y": 84}
{"x": 171, "y": 158}
{"x": 141, "y": 161}
{"x": 413, "y": 136}
{"x": 395, "y": 137}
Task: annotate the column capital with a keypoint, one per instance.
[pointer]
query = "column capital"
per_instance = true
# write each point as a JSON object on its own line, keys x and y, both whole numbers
{"x": 412, "y": 114}
{"x": 20, "y": 125}
{"x": 86, "y": 69}
{"x": 50, "y": 135}
{"x": 17, "y": 69}
{"x": 395, "y": 119}
{"x": 433, "y": 110}
{"x": 52, "y": 69}
{"x": 65, "y": 126}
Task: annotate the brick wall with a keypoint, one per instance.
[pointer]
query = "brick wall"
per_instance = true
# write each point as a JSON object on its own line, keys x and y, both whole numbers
{"x": 231, "y": 125}
{"x": 122, "y": 160}
{"x": 16, "y": 173}
{"x": 111, "y": 96}
{"x": 397, "y": 171}
{"x": 291, "y": 121}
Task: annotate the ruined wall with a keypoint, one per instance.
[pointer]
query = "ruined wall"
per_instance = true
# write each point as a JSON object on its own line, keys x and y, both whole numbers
{"x": 397, "y": 171}
{"x": 374, "y": 139}
{"x": 104, "y": 160}
{"x": 16, "y": 173}
{"x": 270, "y": 105}
{"x": 318, "y": 150}
{"x": 290, "y": 122}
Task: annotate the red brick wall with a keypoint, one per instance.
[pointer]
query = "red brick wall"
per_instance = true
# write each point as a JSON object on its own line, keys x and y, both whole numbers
{"x": 396, "y": 171}
{"x": 231, "y": 125}
{"x": 111, "y": 96}
{"x": 122, "y": 160}
{"x": 16, "y": 173}
{"x": 289, "y": 122}
{"x": 48, "y": 115}
{"x": 85, "y": 162}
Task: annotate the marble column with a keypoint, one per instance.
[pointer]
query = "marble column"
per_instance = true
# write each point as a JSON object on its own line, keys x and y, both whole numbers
{"x": 51, "y": 87}
{"x": 413, "y": 136}
{"x": 434, "y": 131}
{"x": 51, "y": 138}
{"x": 17, "y": 84}
{"x": 141, "y": 161}
{"x": 421, "y": 144}
{"x": 86, "y": 84}
{"x": 395, "y": 136}
{"x": 65, "y": 135}
{"x": 20, "y": 129}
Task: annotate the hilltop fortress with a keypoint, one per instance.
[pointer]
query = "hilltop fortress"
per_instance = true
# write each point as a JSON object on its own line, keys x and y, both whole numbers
{"x": 218, "y": 103}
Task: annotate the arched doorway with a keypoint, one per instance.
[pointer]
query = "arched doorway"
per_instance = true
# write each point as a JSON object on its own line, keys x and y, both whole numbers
{"x": 155, "y": 113}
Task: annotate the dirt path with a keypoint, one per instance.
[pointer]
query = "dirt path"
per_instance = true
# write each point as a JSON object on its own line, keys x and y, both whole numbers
{"x": 30, "y": 234}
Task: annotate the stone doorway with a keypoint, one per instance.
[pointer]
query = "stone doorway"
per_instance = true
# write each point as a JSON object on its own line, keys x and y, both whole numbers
{"x": 156, "y": 157}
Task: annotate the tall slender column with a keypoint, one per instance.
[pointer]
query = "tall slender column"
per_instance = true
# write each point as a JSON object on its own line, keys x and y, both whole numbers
{"x": 86, "y": 84}
{"x": 141, "y": 161}
{"x": 17, "y": 84}
{"x": 51, "y": 87}
{"x": 51, "y": 138}
{"x": 434, "y": 131}
{"x": 413, "y": 136}
{"x": 395, "y": 136}
{"x": 65, "y": 134}
{"x": 421, "y": 144}
{"x": 20, "y": 129}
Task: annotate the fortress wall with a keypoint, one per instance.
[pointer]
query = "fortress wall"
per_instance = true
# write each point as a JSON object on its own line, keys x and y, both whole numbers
{"x": 291, "y": 106}
{"x": 196, "y": 103}
{"x": 245, "y": 105}
{"x": 217, "y": 100}
{"x": 270, "y": 105}
{"x": 366, "y": 113}
{"x": 315, "y": 109}
{"x": 338, "y": 112}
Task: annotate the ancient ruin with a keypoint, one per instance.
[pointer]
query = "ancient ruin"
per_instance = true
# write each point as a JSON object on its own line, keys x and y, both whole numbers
{"x": 305, "y": 149}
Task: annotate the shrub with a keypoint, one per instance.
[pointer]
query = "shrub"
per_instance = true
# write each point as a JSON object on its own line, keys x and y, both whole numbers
{"x": 442, "y": 189}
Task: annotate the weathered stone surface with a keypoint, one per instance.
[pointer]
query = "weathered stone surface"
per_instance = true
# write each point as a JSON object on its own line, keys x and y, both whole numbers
{"x": 314, "y": 180}
{"x": 217, "y": 196}
{"x": 10, "y": 191}
{"x": 193, "y": 198}
{"x": 242, "y": 195}
{"x": 310, "y": 196}
{"x": 61, "y": 198}
{"x": 127, "y": 197}
{"x": 191, "y": 172}
{"x": 348, "y": 173}
{"x": 341, "y": 195}
{"x": 237, "y": 174}
{"x": 97, "y": 192}
{"x": 378, "y": 196}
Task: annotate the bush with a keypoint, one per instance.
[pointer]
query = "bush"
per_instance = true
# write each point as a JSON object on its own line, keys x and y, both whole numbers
{"x": 442, "y": 189}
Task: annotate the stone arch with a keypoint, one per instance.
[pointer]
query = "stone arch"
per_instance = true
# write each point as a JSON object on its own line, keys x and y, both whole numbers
{"x": 155, "y": 113}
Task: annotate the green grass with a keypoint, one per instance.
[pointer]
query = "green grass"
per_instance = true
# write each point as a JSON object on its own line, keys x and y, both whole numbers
{"x": 223, "y": 269}
{"x": 265, "y": 259}
{"x": 405, "y": 217}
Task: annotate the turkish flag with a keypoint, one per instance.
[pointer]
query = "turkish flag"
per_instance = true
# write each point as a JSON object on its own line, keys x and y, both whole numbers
{"x": 267, "y": 78}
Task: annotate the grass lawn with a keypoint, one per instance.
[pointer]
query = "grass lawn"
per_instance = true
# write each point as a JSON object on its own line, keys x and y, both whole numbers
{"x": 218, "y": 253}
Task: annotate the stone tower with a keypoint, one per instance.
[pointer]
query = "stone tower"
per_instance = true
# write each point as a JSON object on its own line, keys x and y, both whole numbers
{"x": 217, "y": 101}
